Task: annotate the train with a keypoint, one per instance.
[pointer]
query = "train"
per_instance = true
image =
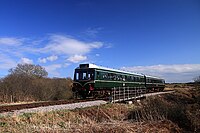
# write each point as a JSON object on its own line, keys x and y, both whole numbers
{"x": 91, "y": 80}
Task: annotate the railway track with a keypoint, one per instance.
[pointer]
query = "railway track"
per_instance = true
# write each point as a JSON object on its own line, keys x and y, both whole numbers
{"x": 10, "y": 108}
{"x": 158, "y": 93}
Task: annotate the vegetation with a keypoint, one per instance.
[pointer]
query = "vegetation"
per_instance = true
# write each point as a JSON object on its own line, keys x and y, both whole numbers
{"x": 175, "y": 112}
{"x": 28, "y": 70}
{"x": 104, "y": 119}
{"x": 29, "y": 83}
{"x": 170, "y": 113}
{"x": 197, "y": 79}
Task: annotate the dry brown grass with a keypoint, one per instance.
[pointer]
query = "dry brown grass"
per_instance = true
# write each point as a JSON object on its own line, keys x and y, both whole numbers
{"x": 106, "y": 118}
{"x": 184, "y": 107}
{"x": 181, "y": 108}
{"x": 168, "y": 89}
{"x": 170, "y": 113}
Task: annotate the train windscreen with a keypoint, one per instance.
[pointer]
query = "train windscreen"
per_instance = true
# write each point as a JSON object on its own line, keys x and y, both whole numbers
{"x": 84, "y": 74}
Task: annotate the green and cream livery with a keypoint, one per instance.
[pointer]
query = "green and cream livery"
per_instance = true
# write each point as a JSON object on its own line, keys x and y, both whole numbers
{"x": 90, "y": 80}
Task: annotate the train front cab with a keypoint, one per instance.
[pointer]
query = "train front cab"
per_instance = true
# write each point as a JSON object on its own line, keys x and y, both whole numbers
{"x": 83, "y": 83}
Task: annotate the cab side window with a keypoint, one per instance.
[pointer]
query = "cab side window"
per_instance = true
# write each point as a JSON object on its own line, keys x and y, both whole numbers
{"x": 98, "y": 75}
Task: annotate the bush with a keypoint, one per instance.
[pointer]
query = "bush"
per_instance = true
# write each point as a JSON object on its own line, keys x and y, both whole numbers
{"x": 16, "y": 88}
{"x": 155, "y": 109}
{"x": 150, "y": 110}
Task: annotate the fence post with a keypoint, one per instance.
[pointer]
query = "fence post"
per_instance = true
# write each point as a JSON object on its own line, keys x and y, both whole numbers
{"x": 135, "y": 89}
{"x": 114, "y": 94}
{"x": 128, "y": 92}
{"x": 124, "y": 92}
{"x": 119, "y": 93}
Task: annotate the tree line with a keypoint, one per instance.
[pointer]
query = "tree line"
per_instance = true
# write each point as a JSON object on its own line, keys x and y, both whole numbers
{"x": 28, "y": 82}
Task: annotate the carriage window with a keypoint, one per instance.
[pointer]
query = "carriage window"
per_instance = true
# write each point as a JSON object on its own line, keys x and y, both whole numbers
{"x": 117, "y": 77}
{"x": 98, "y": 75}
{"x": 132, "y": 78}
{"x": 138, "y": 79}
{"x": 105, "y": 76}
{"x": 142, "y": 79}
{"x": 125, "y": 78}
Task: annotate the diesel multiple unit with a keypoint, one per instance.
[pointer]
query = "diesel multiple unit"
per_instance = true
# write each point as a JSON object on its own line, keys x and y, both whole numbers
{"x": 93, "y": 80}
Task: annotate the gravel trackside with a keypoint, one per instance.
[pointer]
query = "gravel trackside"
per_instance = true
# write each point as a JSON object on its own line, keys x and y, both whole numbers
{"x": 55, "y": 107}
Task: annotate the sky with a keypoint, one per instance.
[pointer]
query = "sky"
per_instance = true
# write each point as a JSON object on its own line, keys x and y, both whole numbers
{"x": 153, "y": 37}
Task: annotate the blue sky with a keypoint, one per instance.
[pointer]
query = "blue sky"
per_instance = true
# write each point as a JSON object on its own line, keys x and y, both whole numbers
{"x": 157, "y": 37}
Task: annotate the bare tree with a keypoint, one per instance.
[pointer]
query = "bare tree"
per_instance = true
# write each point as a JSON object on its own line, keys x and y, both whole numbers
{"x": 29, "y": 70}
{"x": 197, "y": 79}
{"x": 29, "y": 82}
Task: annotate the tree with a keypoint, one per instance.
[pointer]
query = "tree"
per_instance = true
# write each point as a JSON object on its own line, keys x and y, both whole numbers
{"x": 197, "y": 79}
{"x": 29, "y": 70}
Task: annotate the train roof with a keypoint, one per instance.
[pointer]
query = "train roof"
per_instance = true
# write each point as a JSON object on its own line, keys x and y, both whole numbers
{"x": 154, "y": 77}
{"x": 105, "y": 68}
{"x": 111, "y": 69}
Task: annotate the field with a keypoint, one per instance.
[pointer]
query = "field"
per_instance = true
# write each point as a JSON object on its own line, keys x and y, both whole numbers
{"x": 176, "y": 112}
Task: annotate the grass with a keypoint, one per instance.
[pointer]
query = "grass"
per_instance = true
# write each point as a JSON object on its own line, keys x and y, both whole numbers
{"x": 170, "y": 113}
{"x": 105, "y": 118}
{"x": 16, "y": 103}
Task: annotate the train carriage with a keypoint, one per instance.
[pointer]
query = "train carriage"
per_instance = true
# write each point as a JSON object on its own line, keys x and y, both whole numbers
{"x": 93, "y": 80}
{"x": 154, "y": 83}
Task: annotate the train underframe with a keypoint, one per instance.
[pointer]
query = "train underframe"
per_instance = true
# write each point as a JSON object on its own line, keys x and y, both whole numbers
{"x": 96, "y": 93}
{"x": 105, "y": 93}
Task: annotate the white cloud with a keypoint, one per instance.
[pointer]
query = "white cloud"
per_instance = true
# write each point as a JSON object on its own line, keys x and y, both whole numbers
{"x": 92, "y": 32}
{"x": 172, "y": 73}
{"x": 22, "y": 50}
{"x": 53, "y": 69}
{"x": 10, "y": 41}
{"x": 108, "y": 45}
{"x": 66, "y": 64}
{"x": 6, "y": 62}
{"x": 42, "y": 60}
{"x": 95, "y": 44}
{"x": 62, "y": 45}
{"x": 167, "y": 68}
{"x": 69, "y": 46}
{"x": 26, "y": 61}
{"x": 50, "y": 58}
{"x": 77, "y": 58}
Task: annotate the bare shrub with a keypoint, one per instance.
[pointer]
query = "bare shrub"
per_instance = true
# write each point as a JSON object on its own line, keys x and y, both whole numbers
{"x": 60, "y": 85}
{"x": 52, "y": 89}
{"x": 150, "y": 110}
{"x": 82, "y": 120}
{"x": 179, "y": 108}
{"x": 106, "y": 113}
{"x": 17, "y": 88}
{"x": 197, "y": 79}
